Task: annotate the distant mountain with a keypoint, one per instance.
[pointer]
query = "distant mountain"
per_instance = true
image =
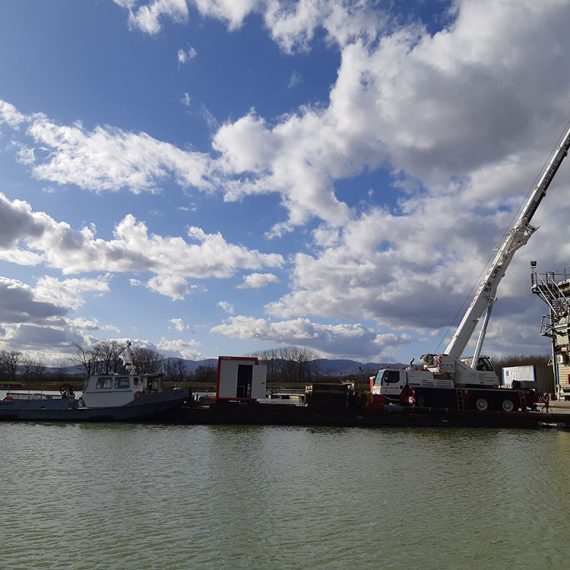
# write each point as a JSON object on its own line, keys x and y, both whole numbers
{"x": 330, "y": 367}
{"x": 193, "y": 365}
{"x": 324, "y": 366}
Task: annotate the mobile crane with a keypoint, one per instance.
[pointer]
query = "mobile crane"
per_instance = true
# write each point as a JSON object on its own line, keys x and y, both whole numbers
{"x": 447, "y": 380}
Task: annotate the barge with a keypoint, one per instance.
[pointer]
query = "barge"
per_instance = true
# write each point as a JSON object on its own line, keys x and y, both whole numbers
{"x": 256, "y": 413}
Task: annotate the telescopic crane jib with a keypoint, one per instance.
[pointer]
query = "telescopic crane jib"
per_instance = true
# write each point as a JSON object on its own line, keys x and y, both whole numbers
{"x": 483, "y": 300}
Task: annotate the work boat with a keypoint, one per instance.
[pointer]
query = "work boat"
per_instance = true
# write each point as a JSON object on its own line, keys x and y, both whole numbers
{"x": 129, "y": 397}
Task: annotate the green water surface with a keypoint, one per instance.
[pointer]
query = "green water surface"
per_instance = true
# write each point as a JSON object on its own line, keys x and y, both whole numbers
{"x": 141, "y": 497}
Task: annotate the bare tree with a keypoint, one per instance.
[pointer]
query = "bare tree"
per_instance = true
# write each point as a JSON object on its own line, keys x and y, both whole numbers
{"x": 108, "y": 357}
{"x": 205, "y": 374}
{"x": 147, "y": 361}
{"x": 9, "y": 361}
{"x": 3, "y": 367}
{"x": 176, "y": 370}
{"x": 304, "y": 359}
{"x": 103, "y": 358}
{"x": 271, "y": 359}
{"x": 289, "y": 364}
{"x": 85, "y": 359}
{"x": 32, "y": 370}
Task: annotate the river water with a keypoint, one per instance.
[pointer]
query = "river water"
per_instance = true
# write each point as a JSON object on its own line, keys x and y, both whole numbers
{"x": 136, "y": 496}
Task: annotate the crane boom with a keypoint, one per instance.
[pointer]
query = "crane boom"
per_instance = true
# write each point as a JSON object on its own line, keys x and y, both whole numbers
{"x": 515, "y": 238}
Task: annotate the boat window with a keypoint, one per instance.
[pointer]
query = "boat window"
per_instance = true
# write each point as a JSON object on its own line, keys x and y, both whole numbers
{"x": 391, "y": 376}
{"x": 122, "y": 383}
{"x": 104, "y": 383}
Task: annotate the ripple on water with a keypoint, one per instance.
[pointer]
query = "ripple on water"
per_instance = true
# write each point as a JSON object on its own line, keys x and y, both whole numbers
{"x": 127, "y": 496}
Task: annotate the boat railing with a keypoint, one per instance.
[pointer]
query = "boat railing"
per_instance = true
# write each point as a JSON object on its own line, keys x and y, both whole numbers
{"x": 31, "y": 396}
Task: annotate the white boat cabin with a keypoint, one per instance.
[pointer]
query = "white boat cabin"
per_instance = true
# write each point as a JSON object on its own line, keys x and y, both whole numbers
{"x": 108, "y": 391}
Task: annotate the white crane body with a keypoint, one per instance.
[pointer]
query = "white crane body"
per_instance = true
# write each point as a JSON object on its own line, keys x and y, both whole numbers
{"x": 446, "y": 371}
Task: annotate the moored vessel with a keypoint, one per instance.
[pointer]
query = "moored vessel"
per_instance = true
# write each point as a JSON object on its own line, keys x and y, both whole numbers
{"x": 105, "y": 397}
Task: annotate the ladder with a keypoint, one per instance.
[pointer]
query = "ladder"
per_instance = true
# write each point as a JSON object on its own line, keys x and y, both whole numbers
{"x": 522, "y": 399}
{"x": 460, "y": 399}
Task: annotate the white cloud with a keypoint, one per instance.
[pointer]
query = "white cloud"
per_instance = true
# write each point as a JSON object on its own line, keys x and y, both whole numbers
{"x": 10, "y": 115}
{"x": 178, "y": 324}
{"x": 294, "y": 80}
{"x": 291, "y": 24}
{"x": 18, "y": 222}
{"x": 461, "y": 154}
{"x": 409, "y": 102}
{"x": 188, "y": 349}
{"x": 106, "y": 159}
{"x": 258, "y": 280}
{"x": 19, "y": 303}
{"x": 174, "y": 286}
{"x": 54, "y": 341}
{"x": 85, "y": 324}
{"x": 287, "y": 159}
{"x": 109, "y": 159}
{"x": 403, "y": 98}
{"x": 233, "y": 12}
{"x": 69, "y": 292}
{"x": 173, "y": 260}
{"x": 416, "y": 270}
{"x": 147, "y": 17}
{"x": 36, "y": 323}
{"x": 185, "y": 55}
{"x": 226, "y": 307}
{"x": 340, "y": 339}
{"x": 186, "y": 99}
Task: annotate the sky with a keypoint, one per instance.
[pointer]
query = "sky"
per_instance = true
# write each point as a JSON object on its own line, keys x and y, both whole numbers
{"x": 210, "y": 177}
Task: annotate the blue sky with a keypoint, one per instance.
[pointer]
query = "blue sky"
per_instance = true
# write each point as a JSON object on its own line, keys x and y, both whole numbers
{"x": 213, "y": 177}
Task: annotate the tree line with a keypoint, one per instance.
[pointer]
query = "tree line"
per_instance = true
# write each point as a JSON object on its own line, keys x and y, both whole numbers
{"x": 285, "y": 365}
{"x": 14, "y": 364}
{"x": 289, "y": 364}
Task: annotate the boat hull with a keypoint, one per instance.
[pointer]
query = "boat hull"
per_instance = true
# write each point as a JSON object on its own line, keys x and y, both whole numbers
{"x": 151, "y": 407}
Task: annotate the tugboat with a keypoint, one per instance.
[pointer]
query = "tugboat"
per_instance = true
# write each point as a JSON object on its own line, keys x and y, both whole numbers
{"x": 105, "y": 398}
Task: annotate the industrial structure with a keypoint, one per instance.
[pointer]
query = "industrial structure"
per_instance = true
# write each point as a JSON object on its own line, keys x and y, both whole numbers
{"x": 554, "y": 289}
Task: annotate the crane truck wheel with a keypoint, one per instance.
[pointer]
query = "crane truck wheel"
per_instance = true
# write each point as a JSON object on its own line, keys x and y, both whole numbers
{"x": 507, "y": 405}
{"x": 481, "y": 404}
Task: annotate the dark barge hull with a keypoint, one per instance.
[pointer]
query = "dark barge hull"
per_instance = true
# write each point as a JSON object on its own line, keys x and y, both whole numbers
{"x": 223, "y": 413}
{"x": 234, "y": 413}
